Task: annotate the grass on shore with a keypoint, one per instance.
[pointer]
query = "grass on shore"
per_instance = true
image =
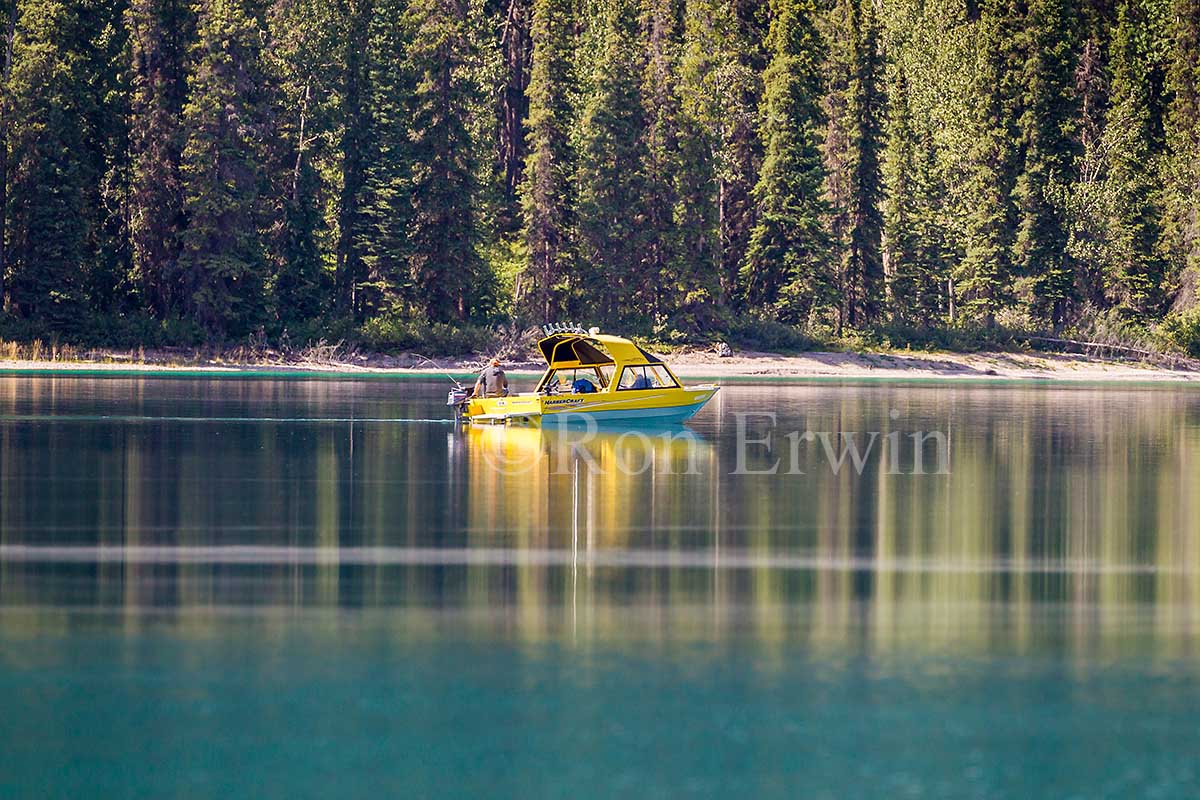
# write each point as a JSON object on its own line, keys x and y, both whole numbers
{"x": 318, "y": 354}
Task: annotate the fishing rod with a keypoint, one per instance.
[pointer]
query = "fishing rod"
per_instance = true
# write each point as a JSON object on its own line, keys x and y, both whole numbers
{"x": 438, "y": 366}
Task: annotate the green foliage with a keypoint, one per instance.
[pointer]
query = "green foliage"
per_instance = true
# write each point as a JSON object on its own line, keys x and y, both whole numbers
{"x": 354, "y": 143}
{"x": 720, "y": 88}
{"x": 382, "y": 236}
{"x": 1181, "y": 331}
{"x": 1046, "y": 126}
{"x": 853, "y": 145}
{"x": 1181, "y": 224}
{"x": 399, "y": 332}
{"x": 787, "y": 269}
{"x": 546, "y": 196}
{"x": 48, "y": 173}
{"x": 300, "y": 64}
{"x": 1135, "y": 279}
{"x": 613, "y": 283}
{"x": 911, "y": 230}
{"x": 907, "y": 171}
{"x": 447, "y": 271}
{"x": 971, "y": 337}
{"x": 983, "y": 278}
{"x": 158, "y": 30}
{"x": 223, "y": 264}
{"x": 771, "y": 336}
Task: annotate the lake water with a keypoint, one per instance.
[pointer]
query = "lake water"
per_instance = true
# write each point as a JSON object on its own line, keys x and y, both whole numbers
{"x": 284, "y": 587}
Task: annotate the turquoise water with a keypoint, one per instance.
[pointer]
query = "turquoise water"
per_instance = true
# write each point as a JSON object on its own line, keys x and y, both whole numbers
{"x": 246, "y": 588}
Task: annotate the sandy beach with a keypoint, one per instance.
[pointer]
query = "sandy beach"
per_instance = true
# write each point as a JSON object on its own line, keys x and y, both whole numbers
{"x": 1033, "y": 366}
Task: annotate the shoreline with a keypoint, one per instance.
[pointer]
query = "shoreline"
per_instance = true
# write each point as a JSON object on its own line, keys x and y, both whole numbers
{"x": 1033, "y": 367}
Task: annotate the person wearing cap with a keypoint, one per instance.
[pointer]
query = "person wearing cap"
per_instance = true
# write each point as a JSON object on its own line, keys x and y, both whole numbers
{"x": 492, "y": 381}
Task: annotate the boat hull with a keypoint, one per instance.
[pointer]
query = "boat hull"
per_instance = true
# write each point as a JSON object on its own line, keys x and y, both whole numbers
{"x": 660, "y": 405}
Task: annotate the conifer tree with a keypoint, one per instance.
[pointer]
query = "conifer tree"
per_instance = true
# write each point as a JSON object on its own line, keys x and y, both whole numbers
{"x": 854, "y": 106}
{"x": 48, "y": 168}
{"x": 1132, "y": 139}
{"x": 447, "y": 271}
{"x": 719, "y": 90}
{"x": 983, "y": 279}
{"x": 303, "y": 53}
{"x": 1182, "y": 191}
{"x": 516, "y": 52}
{"x": 11, "y": 9}
{"x": 159, "y": 34}
{"x": 680, "y": 183}
{"x": 868, "y": 106}
{"x": 388, "y": 180}
{"x": 223, "y": 261}
{"x": 911, "y": 229}
{"x": 662, "y": 117}
{"x": 546, "y": 193}
{"x": 1047, "y": 138}
{"x": 1085, "y": 202}
{"x": 611, "y": 216}
{"x": 786, "y": 272}
{"x": 352, "y": 219}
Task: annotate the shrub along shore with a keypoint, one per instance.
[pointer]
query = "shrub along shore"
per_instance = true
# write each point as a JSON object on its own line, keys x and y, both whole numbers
{"x": 930, "y": 173}
{"x": 1096, "y": 354}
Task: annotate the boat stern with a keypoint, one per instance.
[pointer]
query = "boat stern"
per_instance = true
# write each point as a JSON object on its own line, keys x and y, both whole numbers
{"x": 517, "y": 408}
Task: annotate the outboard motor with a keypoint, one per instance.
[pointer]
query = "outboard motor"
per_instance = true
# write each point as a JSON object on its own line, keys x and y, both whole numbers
{"x": 457, "y": 398}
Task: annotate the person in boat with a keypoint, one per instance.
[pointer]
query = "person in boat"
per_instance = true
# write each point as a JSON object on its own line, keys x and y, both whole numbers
{"x": 492, "y": 382}
{"x": 583, "y": 386}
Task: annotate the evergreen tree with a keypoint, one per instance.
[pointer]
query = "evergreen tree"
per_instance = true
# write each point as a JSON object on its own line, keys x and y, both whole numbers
{"x": 680, "y": 183}
{"x": 104, "y": 49}
{"x": 854, "y": 106}
{"x": 352, "y": 218}
{"x": 662, "y": 116}
{"x": 786, "y": 272}
{"x": 516, "y": 50}
{"x": 48, "y": 168}
{"x": 1049, "y": 153}
{"x": 910, "y": 224}
{"x": 692, "y": 282}
{"x": 303, "y": 65}
{"x": 159, "y": 33}
{"x": 446, "y": 268}
{"x": 387, "y": 189}
{"x": 1086, "y": 204}
{"x": 546, "y": 191}
{"x": 868, "y": 106}
{"x": 223, "y": 267}
{"x": 616, "y": 282}
{"x": 983, "y": 278}
{"x": 1182, "y": 192}
{"x": 719, "y": 93}
{"x": 11, "y": 10}
{"x": 1133, "y": 139}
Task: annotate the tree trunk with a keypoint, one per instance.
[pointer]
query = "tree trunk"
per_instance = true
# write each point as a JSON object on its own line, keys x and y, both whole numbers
{"x": 9, "y": 35}
{"x": 300, "y": 144}
{"x": 517, "y": 46}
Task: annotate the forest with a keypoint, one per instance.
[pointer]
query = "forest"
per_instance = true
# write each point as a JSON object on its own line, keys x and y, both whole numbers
{"x": 406, "y": 172}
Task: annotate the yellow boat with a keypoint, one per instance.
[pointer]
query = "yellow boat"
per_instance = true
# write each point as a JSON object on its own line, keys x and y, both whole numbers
{"x": 590, "y": 375}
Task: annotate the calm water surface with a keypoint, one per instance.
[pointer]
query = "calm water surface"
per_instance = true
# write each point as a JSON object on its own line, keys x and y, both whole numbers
{"x": 292, "y": 588}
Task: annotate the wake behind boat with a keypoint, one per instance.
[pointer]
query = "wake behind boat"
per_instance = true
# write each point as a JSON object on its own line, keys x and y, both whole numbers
{"x": 589, "y": 373}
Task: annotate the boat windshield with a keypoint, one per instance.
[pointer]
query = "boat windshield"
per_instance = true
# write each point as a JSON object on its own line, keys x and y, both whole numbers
{"x": 566, "y": 381}
{"x": 650, "y": 376}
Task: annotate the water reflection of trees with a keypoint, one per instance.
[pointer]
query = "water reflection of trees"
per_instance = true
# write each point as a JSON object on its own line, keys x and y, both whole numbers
{"x": 1069, "y": 516}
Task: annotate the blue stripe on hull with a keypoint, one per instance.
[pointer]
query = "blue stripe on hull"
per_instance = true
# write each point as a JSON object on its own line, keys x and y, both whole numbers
{"x": 674, "y": 413}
